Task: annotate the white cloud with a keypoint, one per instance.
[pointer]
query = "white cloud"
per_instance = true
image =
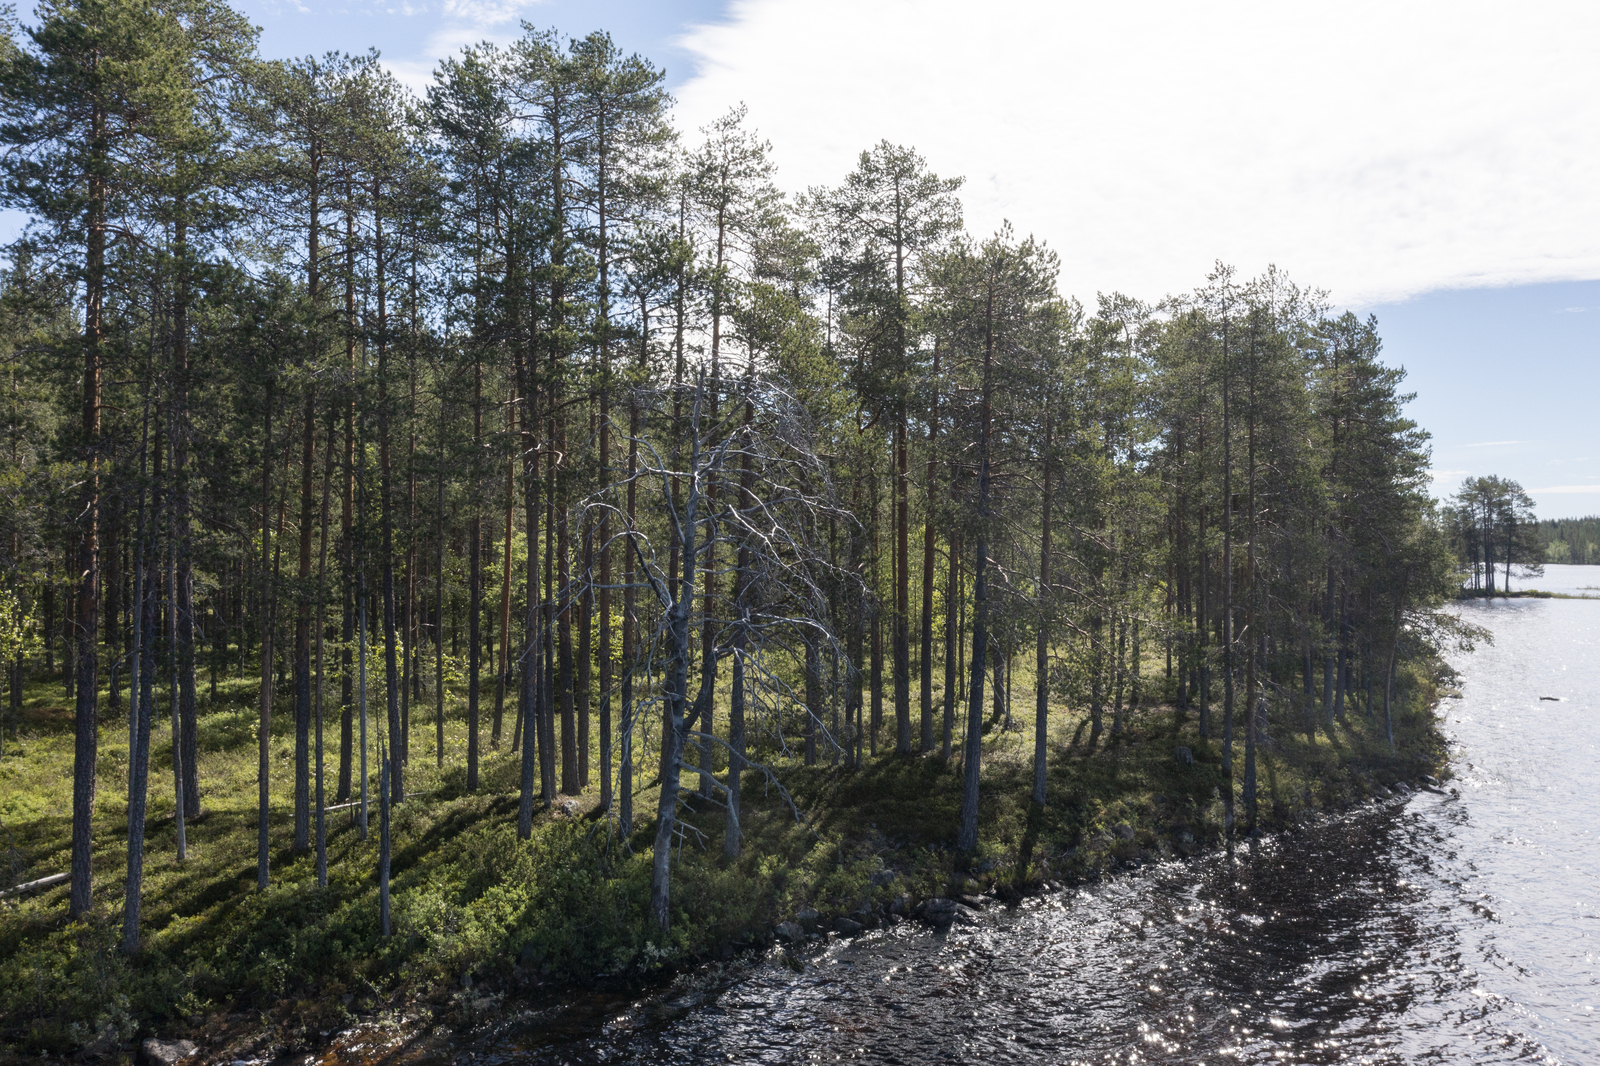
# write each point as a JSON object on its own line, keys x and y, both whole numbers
{"x": 1565, "y": 489}
{"x": 485, "y": 12}
{"x": 463, "y": 23}
{"x": 1377, "y": 149}
{"x": 1494, "y": 443}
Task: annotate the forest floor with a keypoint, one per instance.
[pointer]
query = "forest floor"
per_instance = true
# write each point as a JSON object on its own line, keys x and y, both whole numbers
{"x": 479, "y": 914}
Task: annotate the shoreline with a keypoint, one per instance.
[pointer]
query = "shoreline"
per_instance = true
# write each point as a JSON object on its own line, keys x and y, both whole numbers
{"x": 876, "y": 850}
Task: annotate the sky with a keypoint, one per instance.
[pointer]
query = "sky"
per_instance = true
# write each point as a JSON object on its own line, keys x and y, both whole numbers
{"x": 1430, "y": 163}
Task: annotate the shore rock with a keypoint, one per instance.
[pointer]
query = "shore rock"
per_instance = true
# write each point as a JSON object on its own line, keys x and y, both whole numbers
{"x": 155, "y": 1052}
{"x": 789, "y": 931}
{"x": 942, "y": 913}
{"x": 847, "y": 927}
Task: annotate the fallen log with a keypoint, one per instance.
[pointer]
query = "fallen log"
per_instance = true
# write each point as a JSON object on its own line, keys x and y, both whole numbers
{"x": 35, "y": 886}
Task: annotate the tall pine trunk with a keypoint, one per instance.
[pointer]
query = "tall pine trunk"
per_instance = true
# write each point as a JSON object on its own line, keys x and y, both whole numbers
{"x": 1227, "y": 590}
{"x": 929, "y": 570}
{"x": 902, "y": 586}
{"x": 952, "y": 657}
{"x": 187, "y": 706}
{"x": 474, "y": 578}
{"x": 138, "y": 728}
{"x": 967, "y": 834}
{"x": 528, "y": 701}
{"x": 302, "y": 632}
{"x": 502, "y": 675}
{"x": 1041, "y": 677}
{"x": 391, "y": 674}
{"x": 86, "y": 716}
{"x": 322, "y": 630}
{"x": 264, "y": 725}
{"x": 629, "y": 593}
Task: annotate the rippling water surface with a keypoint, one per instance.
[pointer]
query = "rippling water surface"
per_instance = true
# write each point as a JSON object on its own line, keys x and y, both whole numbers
{"x": 1447, "y": 928}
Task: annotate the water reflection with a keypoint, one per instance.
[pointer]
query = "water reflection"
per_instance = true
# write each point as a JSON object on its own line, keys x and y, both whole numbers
{"x": 1438, "y": 928}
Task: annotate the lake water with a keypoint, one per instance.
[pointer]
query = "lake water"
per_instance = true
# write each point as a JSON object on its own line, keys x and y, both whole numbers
{"x": 1440, "y": 928}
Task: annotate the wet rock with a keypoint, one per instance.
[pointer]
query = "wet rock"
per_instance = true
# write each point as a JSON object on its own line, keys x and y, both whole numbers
{"x": 848, "y": 927}
{"x": 977, "y": 903}
{"x": 789, "y": 931}
{"x": 808, "y": 918}
{"x": 893, "y": 920}
{"x": 155, "y": 1052}
{"x": 901, "y": 906}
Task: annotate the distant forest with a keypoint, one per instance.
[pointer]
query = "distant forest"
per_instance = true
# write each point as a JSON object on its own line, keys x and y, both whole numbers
{"x": 1570, "y": 540}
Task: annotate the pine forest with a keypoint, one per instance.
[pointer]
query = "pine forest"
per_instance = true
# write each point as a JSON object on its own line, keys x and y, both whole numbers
{"x": 497, "y": 534}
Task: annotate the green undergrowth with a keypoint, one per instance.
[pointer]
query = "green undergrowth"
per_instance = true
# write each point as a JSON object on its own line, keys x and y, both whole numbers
{"x": 476, "y": 911}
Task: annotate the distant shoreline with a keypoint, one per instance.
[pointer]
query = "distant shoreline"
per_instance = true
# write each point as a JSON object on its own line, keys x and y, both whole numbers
{"x": 1536, "y": 594}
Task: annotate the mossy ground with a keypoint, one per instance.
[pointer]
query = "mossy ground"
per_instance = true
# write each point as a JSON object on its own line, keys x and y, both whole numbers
{"x": 475, "y": 906}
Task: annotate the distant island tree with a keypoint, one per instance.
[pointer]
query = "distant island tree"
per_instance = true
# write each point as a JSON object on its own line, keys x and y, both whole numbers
{"x": 1492, "y": 524}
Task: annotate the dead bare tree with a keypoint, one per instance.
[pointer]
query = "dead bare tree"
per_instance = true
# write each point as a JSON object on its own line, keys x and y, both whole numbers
{"x": 776, "y": 527}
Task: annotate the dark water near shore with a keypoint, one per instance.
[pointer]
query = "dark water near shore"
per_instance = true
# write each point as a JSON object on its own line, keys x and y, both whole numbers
{"x": 1437, "y": 928}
